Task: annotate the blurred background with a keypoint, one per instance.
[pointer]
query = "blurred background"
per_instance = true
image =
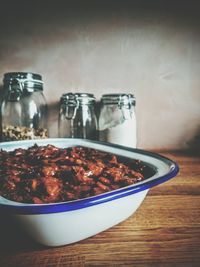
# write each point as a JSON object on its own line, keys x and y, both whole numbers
{"x": 148, "y": 48}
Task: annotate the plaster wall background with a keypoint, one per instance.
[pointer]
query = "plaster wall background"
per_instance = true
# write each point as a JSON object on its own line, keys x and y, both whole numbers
{"x": 149, "y": 49}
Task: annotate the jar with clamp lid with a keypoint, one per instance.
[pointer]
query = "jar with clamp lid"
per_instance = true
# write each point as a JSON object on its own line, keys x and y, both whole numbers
{"x": 23, "y": 107}
{"x": 117, "y": 120}
{"x": 77, "y": 117}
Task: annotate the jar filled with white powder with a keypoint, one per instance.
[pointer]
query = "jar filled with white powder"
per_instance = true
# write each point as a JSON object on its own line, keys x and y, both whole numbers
{"x": 117, "y": 120}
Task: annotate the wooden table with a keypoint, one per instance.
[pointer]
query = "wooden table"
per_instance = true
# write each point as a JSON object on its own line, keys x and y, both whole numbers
{"x": 165, "y": 231}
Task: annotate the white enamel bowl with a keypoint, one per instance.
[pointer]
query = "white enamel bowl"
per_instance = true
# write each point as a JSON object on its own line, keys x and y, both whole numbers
{"x": 68, "y": 222}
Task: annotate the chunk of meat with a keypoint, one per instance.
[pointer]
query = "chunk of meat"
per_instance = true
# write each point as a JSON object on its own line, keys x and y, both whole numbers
{"x": 52, "y": 186}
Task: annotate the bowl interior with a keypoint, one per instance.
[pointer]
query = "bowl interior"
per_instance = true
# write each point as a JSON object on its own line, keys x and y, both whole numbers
{"x": 156, "y": 165}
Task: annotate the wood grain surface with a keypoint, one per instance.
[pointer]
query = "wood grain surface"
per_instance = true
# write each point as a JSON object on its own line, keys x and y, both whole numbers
{"x": 165, "y": 231}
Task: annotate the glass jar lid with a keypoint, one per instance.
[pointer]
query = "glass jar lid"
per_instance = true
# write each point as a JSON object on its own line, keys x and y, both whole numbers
{"x": 76, "y": 99}
{"x": 118, "y": 99}
{"x": 21, "y": 81}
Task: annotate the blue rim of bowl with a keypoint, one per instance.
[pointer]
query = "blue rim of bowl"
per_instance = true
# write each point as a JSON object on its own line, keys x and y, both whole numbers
{"x": 98, "y": 199}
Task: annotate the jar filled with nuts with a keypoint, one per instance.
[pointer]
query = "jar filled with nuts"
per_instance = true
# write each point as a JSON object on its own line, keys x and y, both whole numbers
{"x": 23, "y": 107}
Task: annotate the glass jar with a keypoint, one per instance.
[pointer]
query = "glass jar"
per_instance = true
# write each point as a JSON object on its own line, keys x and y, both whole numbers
{"x": 77, "y": 117}
{"x": 23, "y": 107}
{"x": 117, "y": 120}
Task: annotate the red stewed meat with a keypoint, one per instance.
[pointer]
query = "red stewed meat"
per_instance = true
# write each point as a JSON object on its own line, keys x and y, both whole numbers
{"x": 48, "y": 174}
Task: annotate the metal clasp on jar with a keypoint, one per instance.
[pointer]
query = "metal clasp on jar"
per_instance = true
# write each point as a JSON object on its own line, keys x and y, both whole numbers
{"x": 71, "y": 105}
{"x": 126, "y": 102}
{"x": 15, "y": 89}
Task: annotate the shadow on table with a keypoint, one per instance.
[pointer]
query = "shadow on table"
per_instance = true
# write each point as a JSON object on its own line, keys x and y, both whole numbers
{"x": 192, "y": 147}
{"x": 13, "y": 238}
{"x": 194, "y": 144}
